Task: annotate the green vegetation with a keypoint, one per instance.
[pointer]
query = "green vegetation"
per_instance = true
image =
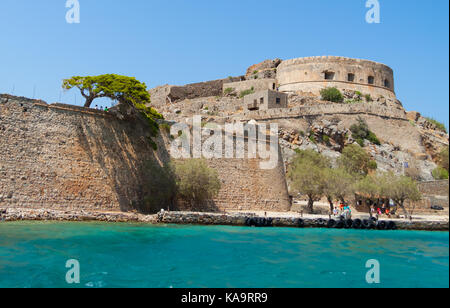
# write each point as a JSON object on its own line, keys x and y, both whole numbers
{"x": 440, "y": 126}
{"x": 338, "y": 185}
{"x": 355, "y": 161}
{"x": 368, "y": 98}
{"x": 312, "y": 138}
{"x": 361, "y": 132}
{"x": 332, "y": 95}
{"x": 228, "y": 91}
{"x": 440, "y": 174}
{"x": 165, "y": 127}
{"x": 443, "y": 158}
{"x": 196, "y": 182}
{"x": 125, "y": 90}
{"x": 306, "y": 175}
{"x": 312, "y": 175}
{"x": 247, "y": 92}
{"x": 326, "y": 139}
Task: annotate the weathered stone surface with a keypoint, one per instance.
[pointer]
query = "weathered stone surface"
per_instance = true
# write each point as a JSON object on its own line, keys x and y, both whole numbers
{"x": 71, "y": 158}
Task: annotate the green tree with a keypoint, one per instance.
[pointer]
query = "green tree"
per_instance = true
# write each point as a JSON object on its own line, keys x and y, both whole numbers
{"x": 338, "y": 185}
{"x": 370, "y": 187}
{"x": 355, "y": 160}
{"x": 400, "y": 189}
{"x": 196, "y": 182}
{"x": 306, "y": 175}
{"x": 126, "y": 90}
{"x": 115, "y": 87}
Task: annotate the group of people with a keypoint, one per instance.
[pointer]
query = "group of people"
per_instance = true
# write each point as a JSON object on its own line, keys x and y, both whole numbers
{"x": 378, "y": 211}
{"x": 343, "y": 211}
{"x": 101, "y": 108}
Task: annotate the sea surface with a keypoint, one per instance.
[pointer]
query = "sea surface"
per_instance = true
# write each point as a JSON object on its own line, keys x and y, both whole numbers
{"x": 34, "y": 254}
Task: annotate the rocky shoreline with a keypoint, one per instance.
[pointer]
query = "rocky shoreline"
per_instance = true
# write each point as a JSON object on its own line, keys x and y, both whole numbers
{"x": 192, "y": 218}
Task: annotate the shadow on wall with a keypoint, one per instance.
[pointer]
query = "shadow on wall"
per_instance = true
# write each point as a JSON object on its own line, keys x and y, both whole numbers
{"x": 122, "y": 152}
{"x": 141, "y": 178}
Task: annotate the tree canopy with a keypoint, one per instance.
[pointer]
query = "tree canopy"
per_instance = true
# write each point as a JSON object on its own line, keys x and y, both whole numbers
{"x": 115, "y": 87}
{"x": 355, "y": 160}
{"x": 126, "y": 90}
{"x": 306, "y": 173}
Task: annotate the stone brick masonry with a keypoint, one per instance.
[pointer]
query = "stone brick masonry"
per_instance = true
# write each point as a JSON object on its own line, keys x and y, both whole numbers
{"x": 70, "y": 158}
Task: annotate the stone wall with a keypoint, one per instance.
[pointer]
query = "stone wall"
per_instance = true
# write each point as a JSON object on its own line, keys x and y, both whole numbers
{"x": 71, "y": 158}
{"x": 67, "y": 157}
{"x": 434, "y": 193}
{"x": 256, "y": 84}
{"x": 308, "y": 75}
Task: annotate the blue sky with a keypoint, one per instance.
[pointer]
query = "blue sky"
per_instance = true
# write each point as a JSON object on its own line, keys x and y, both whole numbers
{"x": 181, "y": 41}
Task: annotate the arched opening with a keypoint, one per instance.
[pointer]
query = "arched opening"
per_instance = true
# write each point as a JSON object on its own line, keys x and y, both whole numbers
{"x": 371, "y": 80}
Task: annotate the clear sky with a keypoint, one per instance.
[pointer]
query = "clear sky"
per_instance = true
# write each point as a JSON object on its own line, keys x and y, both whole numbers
{"x": 181, "y": 41}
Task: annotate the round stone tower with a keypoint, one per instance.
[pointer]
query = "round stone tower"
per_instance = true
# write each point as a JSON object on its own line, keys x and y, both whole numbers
{"x": 315, "y": 73}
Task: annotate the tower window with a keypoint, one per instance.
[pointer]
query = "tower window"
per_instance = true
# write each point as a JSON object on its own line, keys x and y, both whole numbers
{"x": 387, "y": 83}
{"x": 351, "y": 77}
{"x": 371, "y": 80}
{"x": 329, "y": 75}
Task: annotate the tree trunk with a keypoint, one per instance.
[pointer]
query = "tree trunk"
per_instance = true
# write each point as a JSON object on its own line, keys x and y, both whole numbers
{"x": 402, "y": 206}
{"x": 88, "y": 102}
{"x": 310, "y": 206}
{"x": 330, "y": 201}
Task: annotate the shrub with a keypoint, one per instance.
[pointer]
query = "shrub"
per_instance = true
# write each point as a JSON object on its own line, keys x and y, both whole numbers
{"x": 443, "y": 158}
{"x": 247, "y": 92}
{"x": 368, "y": 98}
{"x": 360, "y": 132}
{"x": 228, "y": 91}
{"x": 196, "y": 182}
{"x": 440, "y": 174}
{"x": 326, "y": 139}
{"x": 373, "y": 138}
{"x": 440, "y": 126}
{"x": 312, "y": 138}
{"x": 360, "y": 141}
{"x": 332, "y": 95}
{"x": 165, "y": 127}
{"x": 373, "y": 165}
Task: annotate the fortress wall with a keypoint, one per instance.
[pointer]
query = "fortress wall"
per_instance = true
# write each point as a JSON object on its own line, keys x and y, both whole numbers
{"x": 71, "y": 158}
{"x": 256, "y": 84}
{"x": 67, "y": 157}
{"x": 308, "y": 75}
{"x": 381, "y": 119}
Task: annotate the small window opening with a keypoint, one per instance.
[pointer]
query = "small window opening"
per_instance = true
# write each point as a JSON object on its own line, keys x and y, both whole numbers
{"x": 278, "y": 100}
{"x": 371, "y": 80}
{"x": 329, "y": 75}
{"x": 261, "y": 100}
{"x": 387, "y": 83}
{"x": 351, "y": 77}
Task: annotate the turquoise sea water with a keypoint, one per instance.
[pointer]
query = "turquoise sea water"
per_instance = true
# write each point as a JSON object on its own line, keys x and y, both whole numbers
{"x": 135, "y": 255}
